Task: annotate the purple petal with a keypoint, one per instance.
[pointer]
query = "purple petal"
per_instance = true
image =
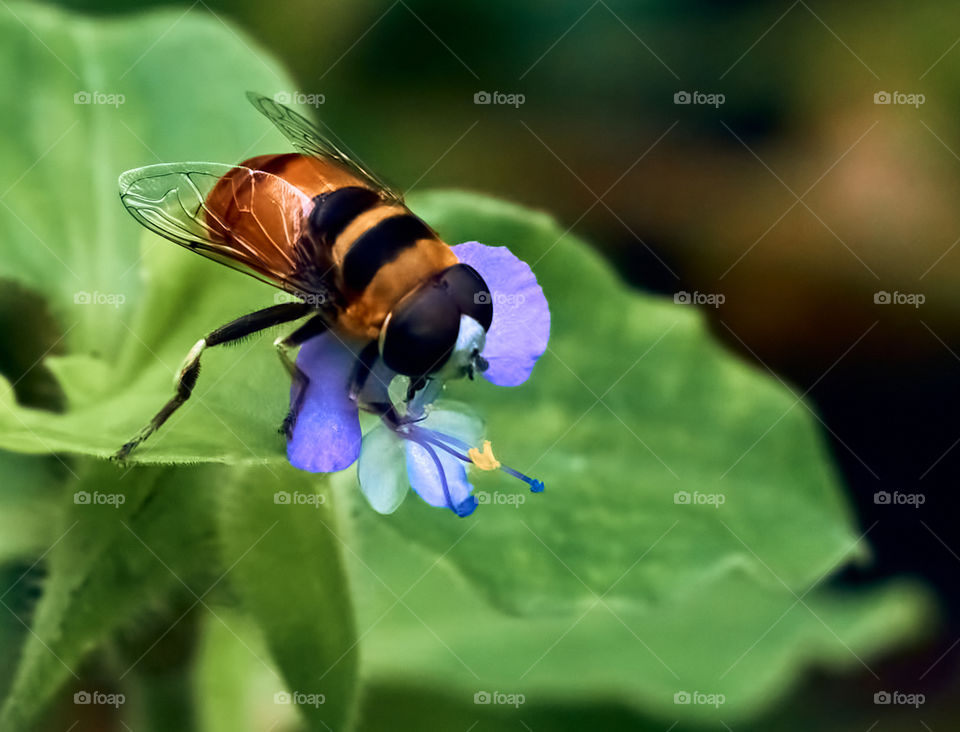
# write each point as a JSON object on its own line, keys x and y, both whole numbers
{"x": 520, "y": 329}
{"x": 326, "y": 437}
{"x": 425, "y": 477}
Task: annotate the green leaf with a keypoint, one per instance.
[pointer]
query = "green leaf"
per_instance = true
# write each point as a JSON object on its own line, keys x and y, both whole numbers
{"x": 31, "y": 494}
{"x": 283, "y": 551}
{"x": 234, "y": 679}
{"x": 236, "y": 682}
{"x": 633, "y": 407}
{"x": 122, "y": 548}
{"x": 624, "y": 590}
{"x": 726, "y": 635}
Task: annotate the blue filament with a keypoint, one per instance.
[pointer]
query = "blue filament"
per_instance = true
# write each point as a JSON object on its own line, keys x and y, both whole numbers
{"x": 440, "y": 440}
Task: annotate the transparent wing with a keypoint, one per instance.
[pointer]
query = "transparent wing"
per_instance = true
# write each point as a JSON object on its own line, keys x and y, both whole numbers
{"x": 247, "y": 219}
{"x": 307, "y": 138}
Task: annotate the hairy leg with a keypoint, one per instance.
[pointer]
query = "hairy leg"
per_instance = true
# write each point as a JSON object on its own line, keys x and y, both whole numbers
{"x": 231, "y": 332}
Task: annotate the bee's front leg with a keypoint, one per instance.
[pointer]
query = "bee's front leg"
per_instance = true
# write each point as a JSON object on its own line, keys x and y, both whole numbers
{"x": 366, "y": 360}
{"x": 312, "y": 328}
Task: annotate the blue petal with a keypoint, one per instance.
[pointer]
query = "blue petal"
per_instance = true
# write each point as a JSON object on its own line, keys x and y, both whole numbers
{"x": 381, "y": 471}
{"x": 520, "y": 329}
{"x": 425, "y": 476}
{"x": 326, "y": 437}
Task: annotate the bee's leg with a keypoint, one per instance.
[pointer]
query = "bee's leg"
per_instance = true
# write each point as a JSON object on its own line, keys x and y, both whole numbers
{"x": 232, "y": 331}
{"x": 366, "y": 360}
{"x": 387, "y": 412}
{"x": 313, "y": 327}
{"x": 415, "y": 385}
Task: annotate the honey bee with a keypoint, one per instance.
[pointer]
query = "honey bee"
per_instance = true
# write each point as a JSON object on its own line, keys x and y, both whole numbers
{"x": 319, "y": 226}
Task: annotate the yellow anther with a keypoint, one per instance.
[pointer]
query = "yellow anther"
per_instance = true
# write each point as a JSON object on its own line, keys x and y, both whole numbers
{"x": 483, "y": 459}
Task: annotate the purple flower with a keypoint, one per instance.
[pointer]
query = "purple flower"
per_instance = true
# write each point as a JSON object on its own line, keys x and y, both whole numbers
{"x": 425, "y": 444}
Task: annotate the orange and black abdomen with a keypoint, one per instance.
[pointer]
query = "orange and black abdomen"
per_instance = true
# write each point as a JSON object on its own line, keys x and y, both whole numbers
{"x": 381, "y": 252}
{"x": 372, "y": 251}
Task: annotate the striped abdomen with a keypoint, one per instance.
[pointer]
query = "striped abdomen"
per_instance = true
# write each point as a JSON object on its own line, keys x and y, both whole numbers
{"x": 380, "y": 251}
{"x": 372, "y": 251}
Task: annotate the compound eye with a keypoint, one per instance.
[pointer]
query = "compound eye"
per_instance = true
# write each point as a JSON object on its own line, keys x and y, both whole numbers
{"x": 470, "y": 292}
{"x": 421, "y": 331}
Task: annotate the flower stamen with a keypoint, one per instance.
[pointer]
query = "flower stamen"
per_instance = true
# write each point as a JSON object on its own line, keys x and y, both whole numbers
{"x": 484, "y": 459}
{"x": 441, "y": 440}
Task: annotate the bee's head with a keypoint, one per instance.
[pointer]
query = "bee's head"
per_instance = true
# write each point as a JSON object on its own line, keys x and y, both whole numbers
{"x": 440, "y": 326}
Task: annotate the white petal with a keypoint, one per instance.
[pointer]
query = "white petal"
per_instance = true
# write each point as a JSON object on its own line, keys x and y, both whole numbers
{"x": 382, "y": 470}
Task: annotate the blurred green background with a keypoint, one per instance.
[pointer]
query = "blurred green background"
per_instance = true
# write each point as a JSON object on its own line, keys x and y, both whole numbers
{"x": 799, "y": 199}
